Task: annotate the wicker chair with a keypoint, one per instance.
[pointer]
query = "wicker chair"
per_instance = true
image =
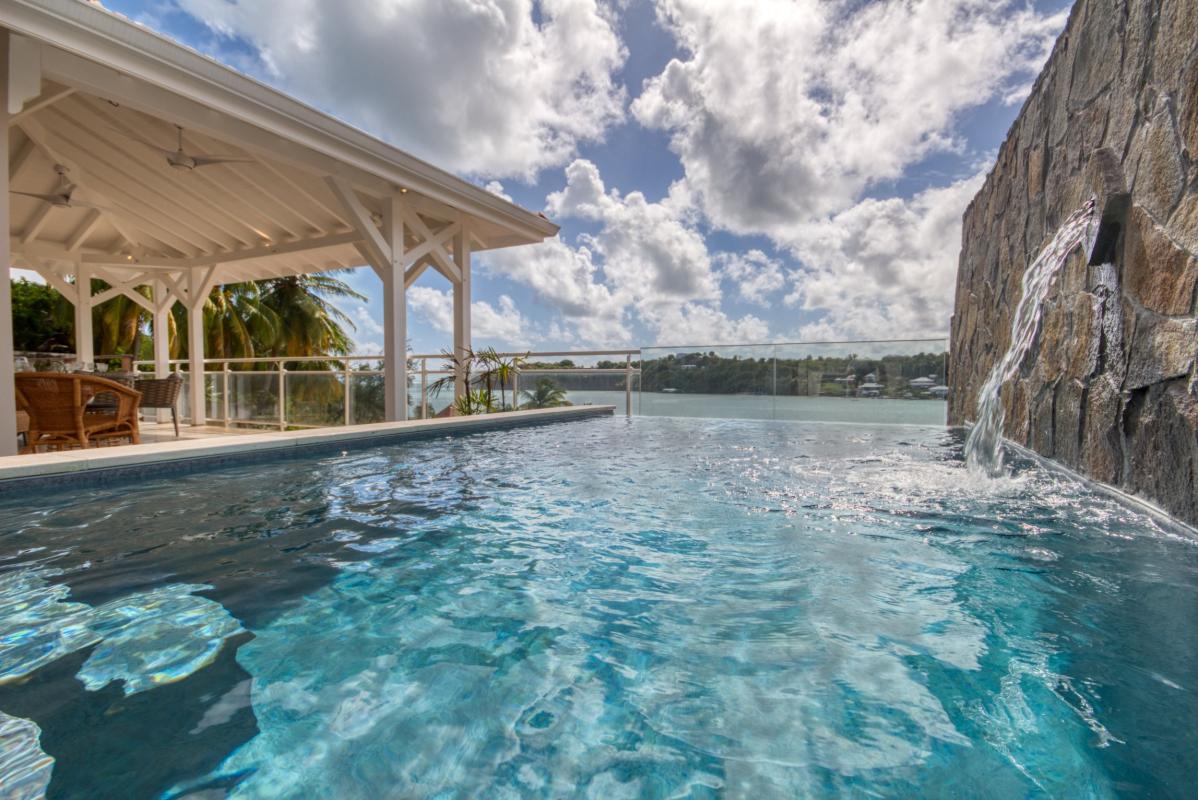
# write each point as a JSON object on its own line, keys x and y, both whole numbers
{"x": 59, "y": 417}
{"x": 161, "y": 393}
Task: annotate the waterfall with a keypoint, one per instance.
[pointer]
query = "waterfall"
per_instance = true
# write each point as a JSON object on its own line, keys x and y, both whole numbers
{"x": 983, "y": 448}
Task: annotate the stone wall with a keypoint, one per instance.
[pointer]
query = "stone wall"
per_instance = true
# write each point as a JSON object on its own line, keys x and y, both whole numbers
{"x": 1111, "y": 388}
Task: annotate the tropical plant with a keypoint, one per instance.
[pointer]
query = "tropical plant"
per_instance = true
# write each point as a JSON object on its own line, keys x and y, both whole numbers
{"x": 546, "y": 394}
{"x": 475, "y": 401}
{"x": 501, "y": 370}
{"x": 37, "y": 318}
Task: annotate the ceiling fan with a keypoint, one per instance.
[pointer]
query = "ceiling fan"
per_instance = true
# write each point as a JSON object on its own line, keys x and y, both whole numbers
{"x": 180, "y": 158}
{"x": 63, "y": 196}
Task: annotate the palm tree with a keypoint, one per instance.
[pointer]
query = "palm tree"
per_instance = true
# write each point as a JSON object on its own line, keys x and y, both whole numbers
{"x": 501, "y": 370}
{"x": 309, "y": 323}
{"x": 546, "y": 394}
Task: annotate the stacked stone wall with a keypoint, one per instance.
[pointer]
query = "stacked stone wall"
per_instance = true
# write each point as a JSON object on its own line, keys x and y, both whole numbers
{"x": 1111, "y": 388}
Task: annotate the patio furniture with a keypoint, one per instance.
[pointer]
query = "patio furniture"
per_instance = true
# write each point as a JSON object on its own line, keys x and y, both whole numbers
{"x": 161, "y": 393}
{"x": 22, "y": 428}
{"x": 59, "y": 415}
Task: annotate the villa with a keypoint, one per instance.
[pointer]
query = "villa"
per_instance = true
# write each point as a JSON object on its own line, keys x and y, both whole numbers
{"x": 694, "y": 570}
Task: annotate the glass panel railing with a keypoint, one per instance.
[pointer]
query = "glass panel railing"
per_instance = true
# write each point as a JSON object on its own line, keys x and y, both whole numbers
{"x": 900, "y": 382}
{"x": 315, "y": 399}
{"x": 367, "y": 398}
{"x": 253, "y": 399}
{"x": 581, "y": 387}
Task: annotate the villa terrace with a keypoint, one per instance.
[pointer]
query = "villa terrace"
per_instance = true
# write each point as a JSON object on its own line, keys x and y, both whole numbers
{"x": 138, "y": 162}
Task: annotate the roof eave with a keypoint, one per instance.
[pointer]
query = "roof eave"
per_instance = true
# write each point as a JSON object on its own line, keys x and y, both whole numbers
{"x": 101, "y": 36}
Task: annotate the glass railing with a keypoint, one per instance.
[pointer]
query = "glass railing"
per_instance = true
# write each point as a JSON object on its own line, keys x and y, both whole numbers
{"x": 901, "y": 382}
{"x": 272, "y": 393}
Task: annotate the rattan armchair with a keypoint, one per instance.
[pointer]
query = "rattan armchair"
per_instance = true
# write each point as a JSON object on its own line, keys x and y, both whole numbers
{"x": 161, "y": 393}
{"x": 59, "y": 417}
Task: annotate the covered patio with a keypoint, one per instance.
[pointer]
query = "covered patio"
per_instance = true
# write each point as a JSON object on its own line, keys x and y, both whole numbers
{"x": 139, "y": 162}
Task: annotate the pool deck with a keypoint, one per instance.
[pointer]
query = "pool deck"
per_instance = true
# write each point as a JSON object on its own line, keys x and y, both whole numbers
{"x": 197, "y": 448}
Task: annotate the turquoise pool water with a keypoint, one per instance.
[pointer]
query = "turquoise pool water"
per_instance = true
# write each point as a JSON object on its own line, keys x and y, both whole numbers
{"x": 607, "y": 608}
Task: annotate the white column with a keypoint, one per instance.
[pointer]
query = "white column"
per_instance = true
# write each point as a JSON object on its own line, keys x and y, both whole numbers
{"x": 161, "y": 331}
{"x": 8, "y": 394}
{"x": 85, "y": 348}
{"x": 196, "y": 295}
{"x": 160, "y": 328}
{"x": 395, "y": 316}
{"x": 461, "y": 306}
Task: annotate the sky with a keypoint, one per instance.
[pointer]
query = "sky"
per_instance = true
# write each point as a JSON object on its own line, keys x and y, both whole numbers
{"x": 723, "y": 171}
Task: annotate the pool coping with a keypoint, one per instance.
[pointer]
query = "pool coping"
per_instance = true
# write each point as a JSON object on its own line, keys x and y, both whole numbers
{"x": 104, "y": 465}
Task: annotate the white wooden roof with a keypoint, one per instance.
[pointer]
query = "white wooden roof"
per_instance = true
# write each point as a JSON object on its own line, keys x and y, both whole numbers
{"x": 97, "y": 94}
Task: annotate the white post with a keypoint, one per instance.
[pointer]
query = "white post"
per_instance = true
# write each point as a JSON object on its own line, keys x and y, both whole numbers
{"x": 85, "y": 348}
{"x": 282, "y": 396}
{"x": 160, "y": 330}
{"x": 628, "y": 385}
{"x": 424, "y": 388}
{"x": 461, "y": 308}
{"x": 8, "y": 391}
{"x": 395, "y": 316}
{"x": 347, "y": 377}
{"x": 196, "y": 295}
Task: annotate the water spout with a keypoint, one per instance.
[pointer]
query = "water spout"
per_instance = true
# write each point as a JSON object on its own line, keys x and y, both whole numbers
{"x": 983, "y": 448}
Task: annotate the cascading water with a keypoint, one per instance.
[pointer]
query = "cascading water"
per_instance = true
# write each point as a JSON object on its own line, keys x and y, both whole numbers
{"x": 983, "y": 448}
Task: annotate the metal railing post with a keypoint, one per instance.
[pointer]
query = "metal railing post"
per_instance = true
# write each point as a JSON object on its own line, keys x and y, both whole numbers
{"x": 282, "y": 397}
{"x": 628, "y": 385}
{"x": 348, "y": 376}
{"x": 224, "y": 395}
{"x": 424, "y": 388}
{"x": 515, "y": 390}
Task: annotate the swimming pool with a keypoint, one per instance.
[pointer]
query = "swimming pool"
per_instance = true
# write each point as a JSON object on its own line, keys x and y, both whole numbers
{"x": 646, "y": 607}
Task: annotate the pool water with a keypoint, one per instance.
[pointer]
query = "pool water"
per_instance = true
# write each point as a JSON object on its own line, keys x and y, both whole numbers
{"x": 607, "y": 608}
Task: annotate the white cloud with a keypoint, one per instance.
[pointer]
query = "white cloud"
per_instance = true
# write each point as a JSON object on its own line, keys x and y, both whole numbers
{"x": 364, "y": 322}
{"x": 496, "y": 188}
{"x": 884, "y": 268}
{"x": 567, "y": 280}
{"x": 504, "y": 324}
{"x": 651, "y": 255}
{"x": 756, "y": 275}
{"x": 477, "y": 86}
{"x": 704, "y": 324}
{"x": 648, "y": 261}
{"x": 786, "y": 120}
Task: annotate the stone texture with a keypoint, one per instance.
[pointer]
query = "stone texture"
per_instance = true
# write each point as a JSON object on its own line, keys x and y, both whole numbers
{"x": 1111, "y": 387}
{"x": 1160, "y": 176}
{"x": 1161, "y": 349}
{"x": 1159, "y": 274}
{"x": 1163, "y": 432}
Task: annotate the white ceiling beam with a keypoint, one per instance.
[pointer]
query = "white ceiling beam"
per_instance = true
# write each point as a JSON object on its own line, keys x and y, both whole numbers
{"x": 24, "y": 72}
{"x": 304, "y": 192}
{"x": 264, "y": 251}
{"x": 183, "y": 191}
{"x": 41, "y": 137}
{"x": 122, "y": 187}
{"x": 413, "y": 273}
{"x": 372, "y": 245}
{"x": 40, "y": 217}
{"x": 20, "y": 160}
{"x": 442, "y": 261}
{"x": 425, "y": 247}
{"x": 37, "y": 104}
{"x": 85, "y": 229}
{"x": 67, "y": 290}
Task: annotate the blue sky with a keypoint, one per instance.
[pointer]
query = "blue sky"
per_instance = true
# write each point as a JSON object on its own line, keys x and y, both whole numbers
{"x": 742, "y": 170}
